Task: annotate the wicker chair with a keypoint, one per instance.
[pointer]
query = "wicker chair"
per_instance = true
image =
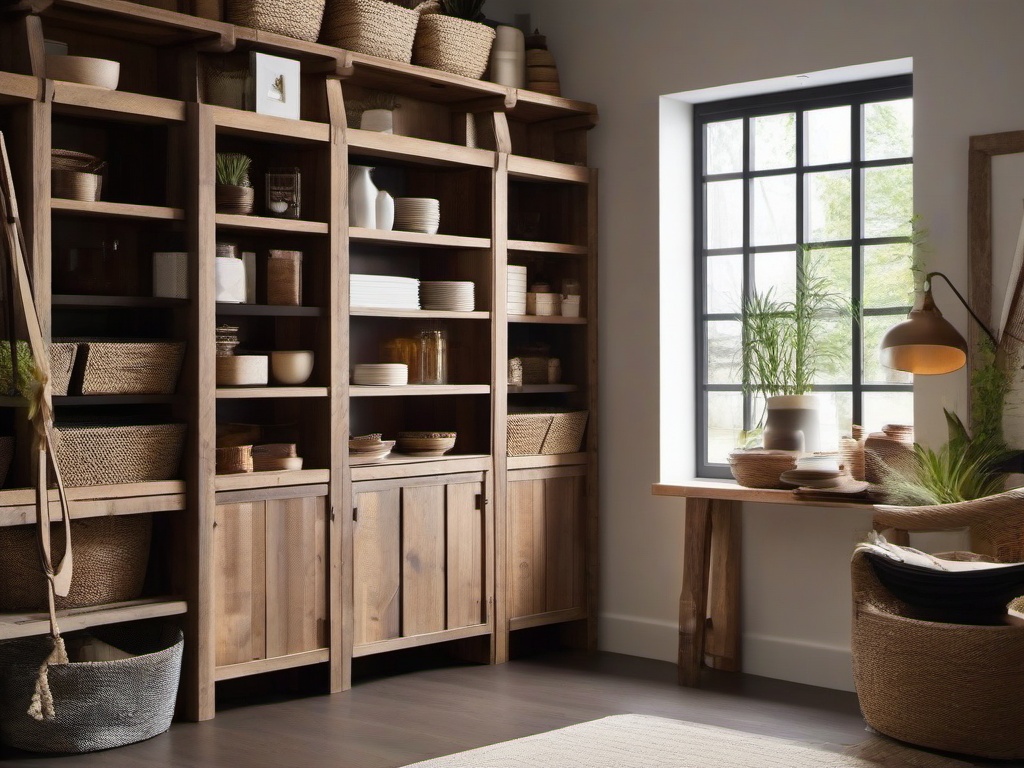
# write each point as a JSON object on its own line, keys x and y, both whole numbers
{"x": 951, "y": 687}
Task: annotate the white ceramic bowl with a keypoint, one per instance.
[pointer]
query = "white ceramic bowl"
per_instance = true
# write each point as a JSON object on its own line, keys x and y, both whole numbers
{"x": 291, "y": 366}
{"x": 102, "y": 73}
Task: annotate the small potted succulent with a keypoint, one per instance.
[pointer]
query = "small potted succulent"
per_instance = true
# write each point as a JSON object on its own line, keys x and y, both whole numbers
{"x": 451, "y": 37}
{"x": 234, "y": 190}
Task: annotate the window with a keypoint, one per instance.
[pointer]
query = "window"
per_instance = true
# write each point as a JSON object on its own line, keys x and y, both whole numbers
{"x": 818, "y": 178}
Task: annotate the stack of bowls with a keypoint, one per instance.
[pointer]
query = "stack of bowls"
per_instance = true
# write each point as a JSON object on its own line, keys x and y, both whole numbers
{"x": 516, "y": 290}
{"x": 381, "y": 374}
{"x": 425, "y": 443}
{"x": 448, "y": 295}
{"x": 275, "y": 457}
{"x": 368, "y": 448}
{"x": 815, "y": 472}
{"x": 417, "y": 214}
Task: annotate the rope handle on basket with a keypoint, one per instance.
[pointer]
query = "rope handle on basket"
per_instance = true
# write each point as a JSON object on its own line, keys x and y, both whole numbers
{"x": 41, "y": 414}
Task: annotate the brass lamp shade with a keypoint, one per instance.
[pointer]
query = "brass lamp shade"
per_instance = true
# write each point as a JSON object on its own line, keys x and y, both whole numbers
{"x": 925, "y": 342}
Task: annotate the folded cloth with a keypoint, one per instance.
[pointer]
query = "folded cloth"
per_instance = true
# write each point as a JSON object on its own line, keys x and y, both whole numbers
{"x": 943, "y": 589}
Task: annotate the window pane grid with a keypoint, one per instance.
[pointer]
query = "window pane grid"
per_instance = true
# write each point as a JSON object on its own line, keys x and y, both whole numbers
{"x": 793, "y": 165}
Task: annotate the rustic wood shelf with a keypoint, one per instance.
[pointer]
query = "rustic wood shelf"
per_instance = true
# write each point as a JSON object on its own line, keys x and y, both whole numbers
{"x": 396, "y": 465}
{"x": 551, "y": 460}
{"x": 544, "y": 619}
{"x": 250, "y": 480}
{"x": 237, "y": 122}
{"x": 267, "y": 310}
{"x": 116, "y": 210}
{"x": 273, "y": 664}
{"x": 396, "y": 237}
{"x": 19, "y": 89}
{"x": 121, "y": 106}
{"x": 555, "y": 249}
{"x": 269, "y": 224}
{"x": 110, "y": 302}
{"x": 263, "y": 393}
{"x": 420, "y": 390}
{"x": 530, "y": 168}
{"x": 419, "y": 314}
{"x": 540, "y": 389}
{"x": 547, "y": 319}
{"x": 17, "y": 505}
{"x": 59, "y": 400}
{"x": 13, "y": 625}
{"x": 417, "y": 151}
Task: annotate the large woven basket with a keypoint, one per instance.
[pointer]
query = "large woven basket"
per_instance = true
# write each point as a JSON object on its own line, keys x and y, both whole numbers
{"x": 373, "y": 27}
{"x": 6, "y": 454}
{"x": 526, "y": 433}
{"x": 105, "y": 455}
{"x": 130, "y": 368}
{"x": 452, "y": 45}
{"x": 566, "y": 433}
{"x": 952, "y": 687}
{"x": 97, "y": 705}
{"x": 111, "y": 556}
{"x": 761, "y": 468}
{"x": 295, "y": 18}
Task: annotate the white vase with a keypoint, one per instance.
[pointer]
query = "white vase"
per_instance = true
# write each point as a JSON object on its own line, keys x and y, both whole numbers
{"x": 385, "y": 210}
{"x": 508, "y": 57}
{"x": 362, "y": 197}
{"x": 793, "y": 423}
{"x": 380, "y": 120}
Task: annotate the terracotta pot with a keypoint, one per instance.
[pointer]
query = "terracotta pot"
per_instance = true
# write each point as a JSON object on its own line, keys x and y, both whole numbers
{"x": 237, "y": 200}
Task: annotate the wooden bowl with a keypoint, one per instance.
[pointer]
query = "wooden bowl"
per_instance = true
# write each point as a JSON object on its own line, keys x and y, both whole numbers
{"x": 101, "y": 73}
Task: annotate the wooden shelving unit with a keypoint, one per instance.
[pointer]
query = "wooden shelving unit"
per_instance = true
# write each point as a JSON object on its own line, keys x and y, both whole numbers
{"x": 313, "y": 558}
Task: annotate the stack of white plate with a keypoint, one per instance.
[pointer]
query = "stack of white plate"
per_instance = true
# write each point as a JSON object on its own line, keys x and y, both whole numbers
{"x": 384, "y": 292}
{"x": 417, "y": 214}
{"x": 448, "y": 295}
{"x": 381, "y": 374}
{"x": 516, "y": 290}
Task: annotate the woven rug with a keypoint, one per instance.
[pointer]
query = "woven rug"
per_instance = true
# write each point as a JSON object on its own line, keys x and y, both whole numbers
{"x": 642, "y": 741}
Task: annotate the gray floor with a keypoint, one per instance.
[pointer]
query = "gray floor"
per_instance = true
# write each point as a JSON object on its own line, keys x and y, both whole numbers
{"x": 395, "y": 719}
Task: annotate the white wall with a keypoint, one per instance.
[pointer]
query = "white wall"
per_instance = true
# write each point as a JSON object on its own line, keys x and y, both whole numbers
{"x": 968, "y": 62}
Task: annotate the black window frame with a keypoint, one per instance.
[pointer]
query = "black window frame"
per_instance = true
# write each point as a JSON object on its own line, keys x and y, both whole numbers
{"x": 855, "y": 94}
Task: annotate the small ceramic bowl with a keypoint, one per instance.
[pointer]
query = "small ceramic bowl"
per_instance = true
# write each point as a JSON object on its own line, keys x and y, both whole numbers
{"x": 101, "y": 73}
{"x": 291, "y": 366}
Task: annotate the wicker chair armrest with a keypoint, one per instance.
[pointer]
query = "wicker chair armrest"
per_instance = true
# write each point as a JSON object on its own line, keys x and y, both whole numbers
{"x": 1003, "y": 509}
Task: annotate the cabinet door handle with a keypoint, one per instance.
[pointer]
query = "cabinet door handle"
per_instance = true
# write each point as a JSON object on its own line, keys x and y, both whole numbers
{"x": 355, "y": 514}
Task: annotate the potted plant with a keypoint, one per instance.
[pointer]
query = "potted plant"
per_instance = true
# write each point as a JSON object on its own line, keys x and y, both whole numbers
{"x": 234, "y": 190}
{"x": 451, "y": 37}
{"x": 785, "y": 347}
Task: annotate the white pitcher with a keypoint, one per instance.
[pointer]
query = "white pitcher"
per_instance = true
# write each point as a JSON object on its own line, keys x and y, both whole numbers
{"x": 362, "y": 197}
{"x": 385, "y": 211}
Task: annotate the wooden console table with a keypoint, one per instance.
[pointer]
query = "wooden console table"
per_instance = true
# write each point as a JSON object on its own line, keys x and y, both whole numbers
{"x": 711, "y": 569}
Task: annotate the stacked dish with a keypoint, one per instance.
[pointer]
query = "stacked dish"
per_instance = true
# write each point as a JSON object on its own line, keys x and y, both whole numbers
{"x": 425, "y": 443}
{"x": 275, "y": 457}
{"x": 368, "y": 448}
{"x": 448, "y": 295}
{"x": 381, "y": 374}
{"x": 384, "y": 292}
{"x": 815, "y": 472}
{"x": 227, "y": 340}
{"x": 418, "y": 214}
{"x": 516, "y": 290}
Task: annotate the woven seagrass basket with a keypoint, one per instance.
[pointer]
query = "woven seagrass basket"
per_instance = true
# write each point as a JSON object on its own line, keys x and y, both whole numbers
{"x": 130, "y": 368}
{"x": 526, "y": 433}
{"x": 566, "y": 433}
{"x": 99, "y": 704}
{"x": 109, "y": 455}
{"x": 373, "y": 27}
{"x": 294, "y": 18}
{"x": 453, "y": 45}
{"x": 62, "y": 363}
{"x": 111, "y": 556}
{"x": 235, "y": 459}
{"x": 761, "y": 468}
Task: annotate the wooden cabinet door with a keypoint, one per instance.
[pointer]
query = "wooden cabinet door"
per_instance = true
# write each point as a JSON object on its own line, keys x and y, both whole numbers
{"x": 545, "y": 539}
{"x": 271, "y": 578}
{"x": 419, "y": 557}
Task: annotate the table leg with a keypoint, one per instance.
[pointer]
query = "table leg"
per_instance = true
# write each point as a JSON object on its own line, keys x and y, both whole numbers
{"x": 723, "y": 635}
{"x": 693, "y": 601}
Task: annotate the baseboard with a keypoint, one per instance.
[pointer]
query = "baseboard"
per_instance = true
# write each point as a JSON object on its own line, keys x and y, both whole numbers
{"x": 782, "y": 658}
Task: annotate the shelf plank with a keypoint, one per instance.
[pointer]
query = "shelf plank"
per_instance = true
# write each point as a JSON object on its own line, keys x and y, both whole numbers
{"x": 419, "y": 314}
{"x": 534, "y": 107}
{"x": 396, "y": 237}
{"x": 14, "y": 625}
{"x": 19, "y": 89}
{"x": 263, "y": 393}
{"x": 113, "y": 399}
{"x": 416, "y": 390}
{"x": 731, "y": 491}
{"x": 520, "y": 167}
{"x": 267, "y": 310}
{"x": 536, "y": 246}
{"x": 259, "y": 666}
{"x": 77, "y": 99}
{"x": 129, "y": 302}
{"x": 269, "y": 224}
{"x": 237, "y": 122}
{"x": 418, "y": 151}
{"x": 397, "y": 465}
{"x": 246, "y": 481}
{"x": 17, "y": 506}
{"x": 116, "y": 210}
{"x": 543, "y": 619}
{"x": 415, "y": 641}
{"x": 421, "y": 82}
{"x": 552, "y": 460}
{"x": 538, "y": 389}
{"x": 547, "y": 319}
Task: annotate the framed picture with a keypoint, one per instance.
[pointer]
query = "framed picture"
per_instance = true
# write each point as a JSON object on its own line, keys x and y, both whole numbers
{"x": 275, "y": 86}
